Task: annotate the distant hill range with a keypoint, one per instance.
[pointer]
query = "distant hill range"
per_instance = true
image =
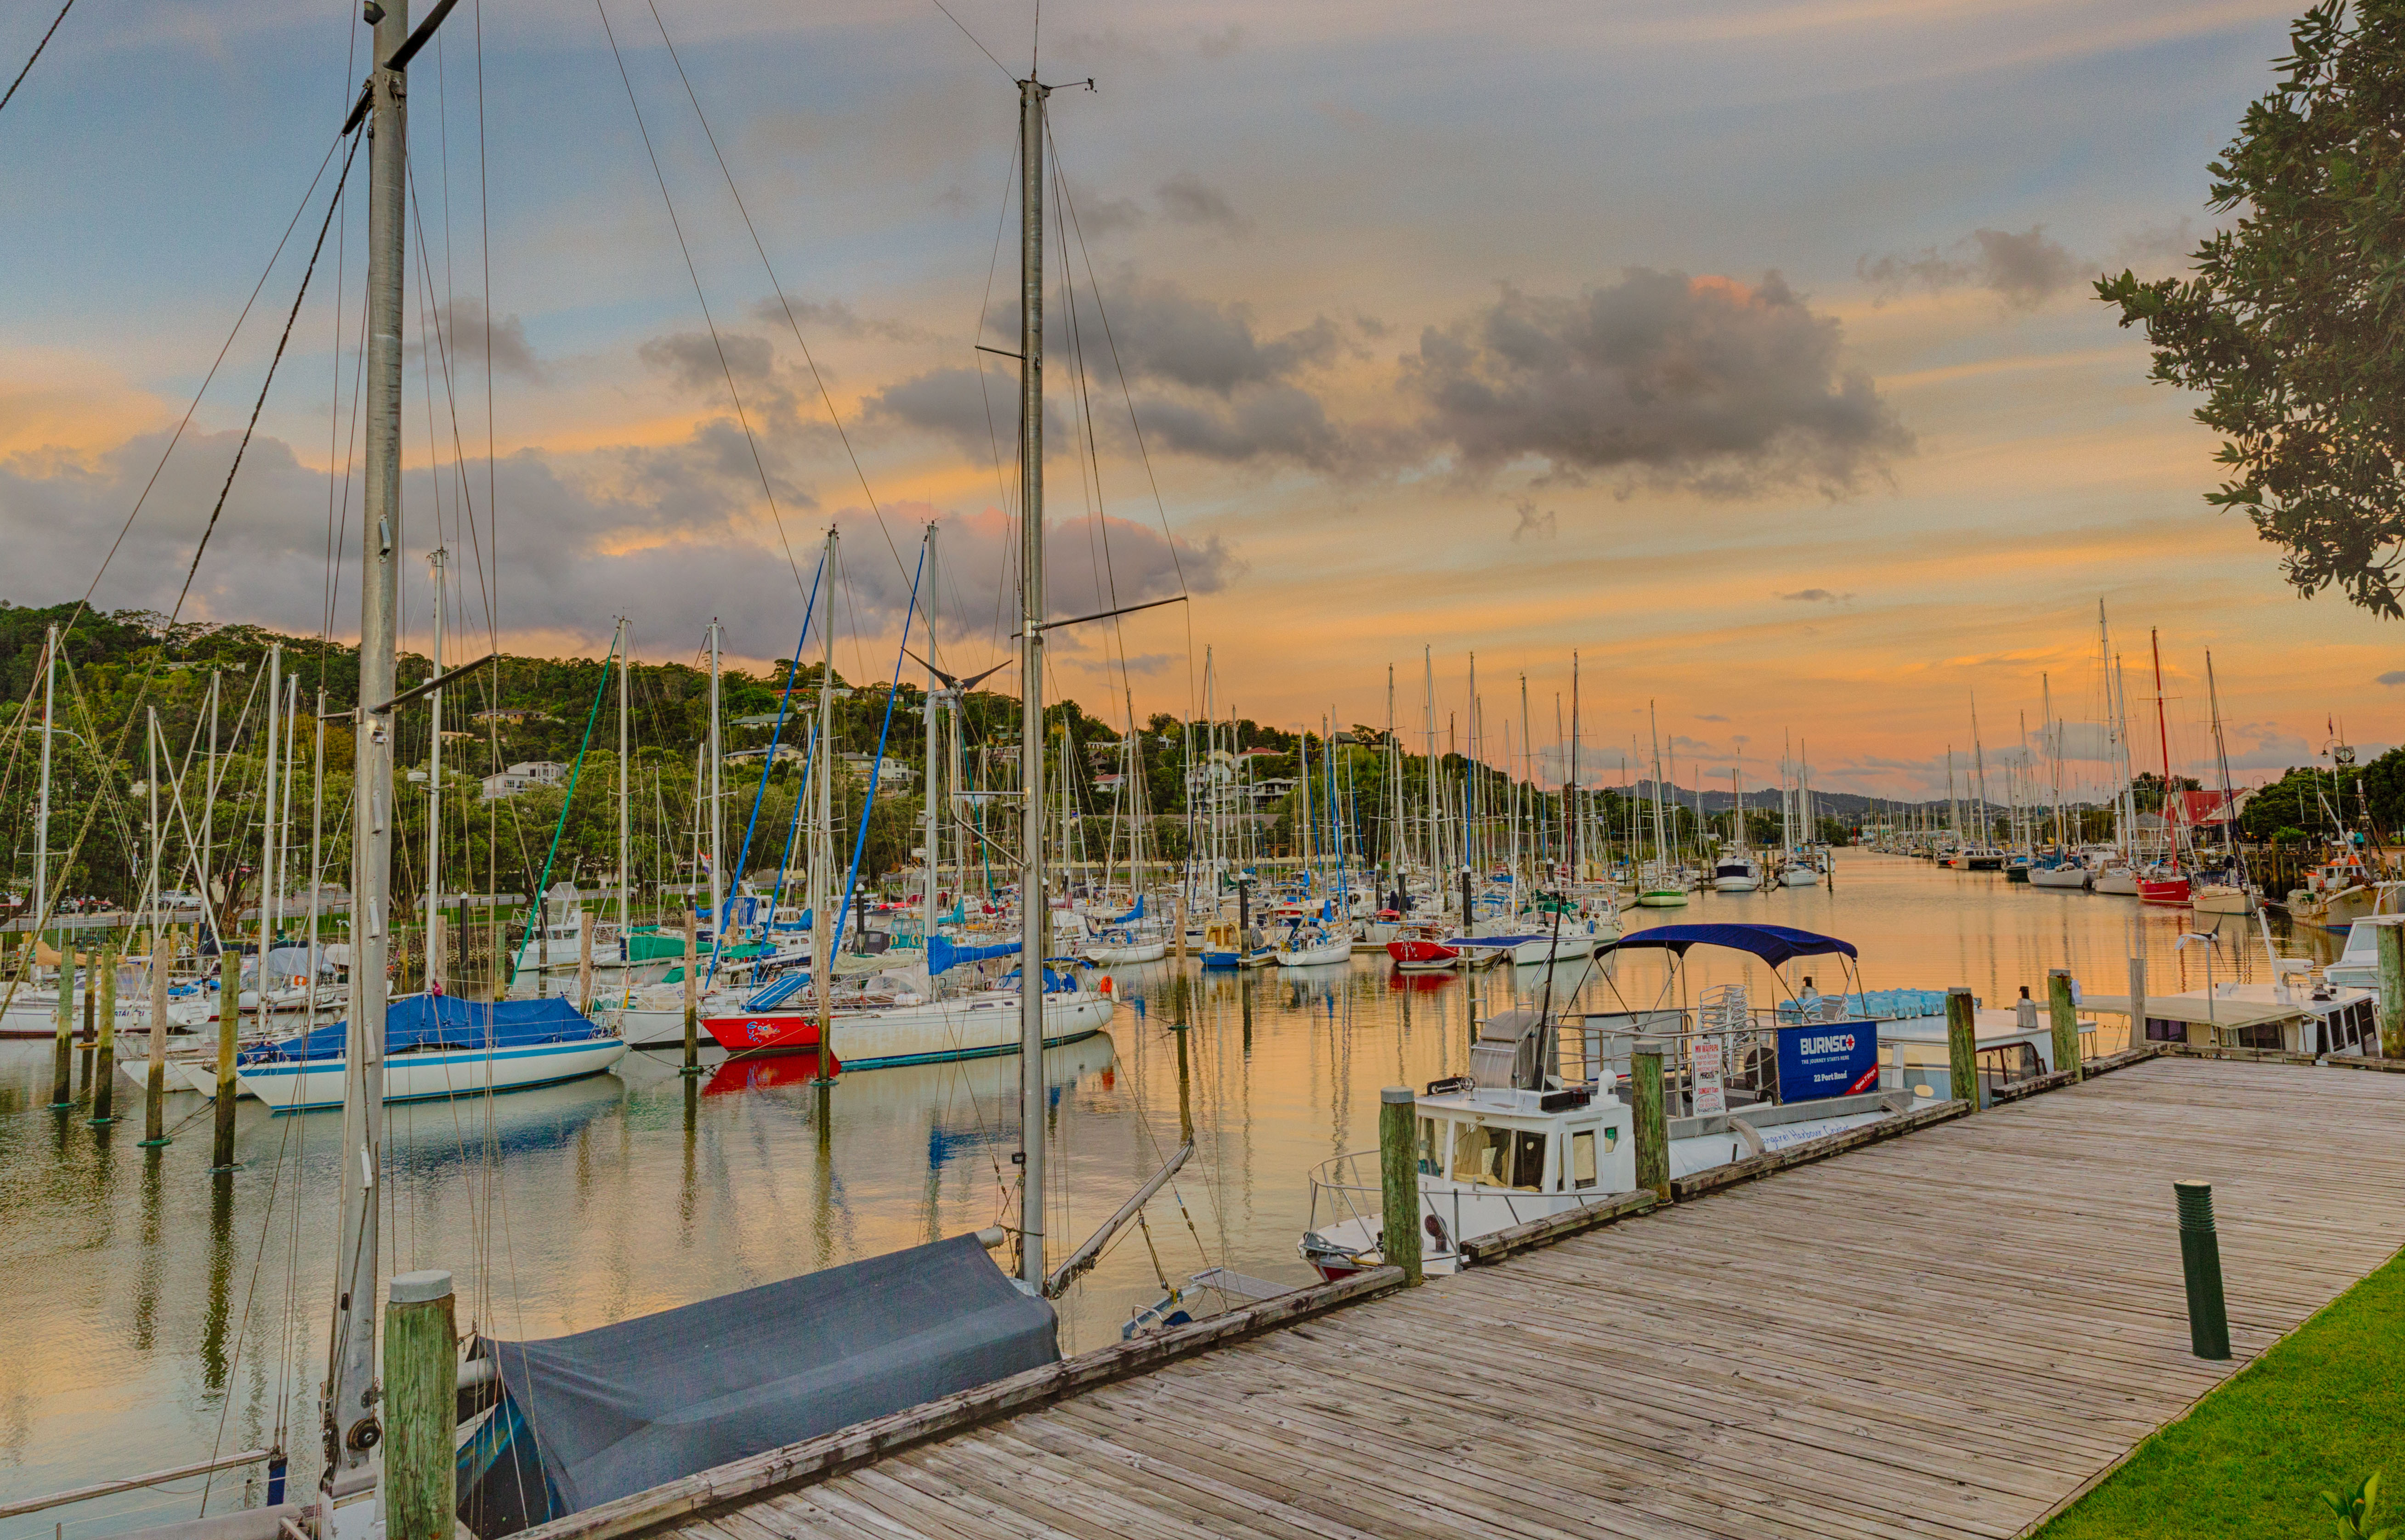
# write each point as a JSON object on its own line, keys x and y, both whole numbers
{"x": 1846, "y": 806}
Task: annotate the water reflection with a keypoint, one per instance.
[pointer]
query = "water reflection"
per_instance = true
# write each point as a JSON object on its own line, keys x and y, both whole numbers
{"x": 196, "y": 1299}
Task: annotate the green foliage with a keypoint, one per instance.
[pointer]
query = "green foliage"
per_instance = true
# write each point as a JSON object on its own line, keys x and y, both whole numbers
{"x": 2354, "y": 1510}
{"x": 2292, "y": 323}
{"x": 2303, "y": 799}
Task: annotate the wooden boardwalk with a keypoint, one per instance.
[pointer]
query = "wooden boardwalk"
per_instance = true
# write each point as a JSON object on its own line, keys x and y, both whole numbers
{"x": 1947, "y": 1335}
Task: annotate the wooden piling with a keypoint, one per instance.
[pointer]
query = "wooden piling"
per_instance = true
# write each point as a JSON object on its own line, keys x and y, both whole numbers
{"x": 693, "y": 998}
{"x": 229, "y": 1027}
{"x": 63, "y": 1062}
{"x": 154, "y": 1098}
{"x": 2391, "y": 939}
{"x": 104, "y": 1070}
{"x": 1399, "y": 1176}
{"x": 1652, "y": 1125}
{"x": 421, "y": 1394}
{"x": 1963, "y": 1047}
{"x": 2066, "y": 1020}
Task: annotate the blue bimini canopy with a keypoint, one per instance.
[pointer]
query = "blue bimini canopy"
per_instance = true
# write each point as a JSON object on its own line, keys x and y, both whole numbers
{"x": 1775, "y": 944}
{"x": 425, "y": 1023}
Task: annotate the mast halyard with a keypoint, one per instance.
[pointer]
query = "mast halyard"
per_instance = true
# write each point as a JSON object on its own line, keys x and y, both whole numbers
{"x": 1033, "y": 906}
{"x": 351, "y": 1427}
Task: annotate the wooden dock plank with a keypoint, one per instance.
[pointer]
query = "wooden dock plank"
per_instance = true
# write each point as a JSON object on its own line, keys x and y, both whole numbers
{"x": 1782, "y": 1357}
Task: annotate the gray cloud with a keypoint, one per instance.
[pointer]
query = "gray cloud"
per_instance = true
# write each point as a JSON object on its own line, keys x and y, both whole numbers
{"x": 1698, "y": 383}
{"x": 1533, "y": 524}
{"x": 1275, "y": 421}
{"x": 694, "y": 361}
{"x": 2023, "y": 269}
{"x": 1222, "y": 43}
{"x": 1165, "y": 334}
{"x": 2395, "y": 676}
{"x": 979, "y": 412}
{"x": 1186, "y": 198}
{"x": 1816, "y": 595}
{"x": 666, "y": 535}
{"x": 463, "y": 327}
{"x": 832, "y": 319}
{"x": 1713, "y": 718}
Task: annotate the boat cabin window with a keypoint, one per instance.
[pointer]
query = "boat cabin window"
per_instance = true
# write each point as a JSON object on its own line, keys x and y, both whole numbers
{"x": 1498, "y": 1157}
{"x": 1431, "y": 1146}
{"x": 2160, "y": 1030}
{"x": 2268, "y": 1035}
{"x": 1582, "y": 1159}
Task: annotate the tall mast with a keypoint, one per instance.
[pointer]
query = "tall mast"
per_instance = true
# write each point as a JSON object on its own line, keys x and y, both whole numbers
{"x": 625, "y": 823}
{"x": 434, "y": 795}
{"x": 42, "y": 815}
{"x": 267, "y": 841}
{"x": 1980, "y": 774}
{"x": 927, "y": 829}
{"x": 2053, "y": 753}
{"x": 1571, "y": 818}
{"x": 351, "y": 1430}
{"x": 821, "y": 891}
{"x": 1033, "y": 908}
{"x": 2162, "y": 726}
{"x": 1435, "y": 790}
{"x": 717, "y": 853}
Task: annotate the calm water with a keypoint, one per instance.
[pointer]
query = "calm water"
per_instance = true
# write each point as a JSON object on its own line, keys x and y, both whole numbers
{"x": 150, "y": 1314}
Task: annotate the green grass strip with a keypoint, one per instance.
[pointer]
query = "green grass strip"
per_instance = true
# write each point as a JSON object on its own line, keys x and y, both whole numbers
{"x": 2324, "y": 1408}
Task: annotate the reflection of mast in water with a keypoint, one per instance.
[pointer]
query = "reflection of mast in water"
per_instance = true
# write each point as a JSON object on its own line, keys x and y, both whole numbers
{"x": 823, "y": 1194}
{"x": 1185, "y": 1091}
{"x": 685, "y": 1197}
{"x": 145, "y": 1288}
{"x": 213, "y": 1325}
{"x": 1244, "y": 999}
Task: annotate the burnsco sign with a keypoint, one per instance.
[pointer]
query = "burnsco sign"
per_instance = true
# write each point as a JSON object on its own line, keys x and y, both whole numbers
{"x": 1827, "y": 1059}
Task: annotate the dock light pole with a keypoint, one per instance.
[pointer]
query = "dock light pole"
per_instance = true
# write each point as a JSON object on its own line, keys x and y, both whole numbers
{"x": 1398, "y": 1178}
{"x": 2208, "y": 1313}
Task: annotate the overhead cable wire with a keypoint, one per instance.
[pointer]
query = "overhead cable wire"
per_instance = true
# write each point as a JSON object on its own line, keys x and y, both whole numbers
{"x": 70, "y": 6}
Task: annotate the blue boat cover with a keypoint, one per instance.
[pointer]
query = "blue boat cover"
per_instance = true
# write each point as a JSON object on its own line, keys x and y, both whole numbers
{"x": 1136, "y": 913}
{"x": 1775, "y": 944}
{"x": 423, "y": 1022}
{"x": 778, "y": 990}
{"x": 943, "y": 956}
{"x": 588, "y": 1419}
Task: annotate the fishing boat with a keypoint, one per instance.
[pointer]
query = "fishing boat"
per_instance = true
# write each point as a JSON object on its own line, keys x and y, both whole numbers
{"x": 436, "y": 1046}
{"x": 1507, "y": 1143}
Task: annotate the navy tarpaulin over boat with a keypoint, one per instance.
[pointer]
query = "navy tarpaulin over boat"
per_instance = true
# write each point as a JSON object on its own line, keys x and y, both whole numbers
{"x": 1775, "y": 944}
{"x": 587, "y": 1418}
{"x": 420, "y": 1023}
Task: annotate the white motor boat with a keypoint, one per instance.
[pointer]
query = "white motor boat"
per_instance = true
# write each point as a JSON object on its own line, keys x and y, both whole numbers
{"x": 2064, "y": 874}
{"x": 1740, "y": 873}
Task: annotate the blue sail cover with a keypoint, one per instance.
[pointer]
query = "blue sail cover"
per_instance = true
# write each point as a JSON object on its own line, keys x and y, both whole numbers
{"x": 1136, "y": 913}
{"x": 1775, "y": 944}
{"x": 600, "y": 1415}
{"x": 421, "y": 1022}
{"x": 943, "y": 956}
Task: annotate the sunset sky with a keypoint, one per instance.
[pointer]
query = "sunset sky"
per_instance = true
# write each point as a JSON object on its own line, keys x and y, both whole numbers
{"x": 1376, "y": 278}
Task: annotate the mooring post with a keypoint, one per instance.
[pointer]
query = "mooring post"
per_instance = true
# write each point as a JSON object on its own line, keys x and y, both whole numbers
{"x": 62, "y": 1063}
{"x": 693, "y": 994}
{"x": 1963, "y": 1047}
{"x": 2391, "y": 940}
{"x": 1399, "y": 1175}
{"x": 2208, "y": 1313}
{"x": 154, "y": 1097}
{"x": 1653, "y": 1127}
{"x": 229, "y": 1024}
{"x": 2066, "y": 1021}
{"x": 421, "y": 1395}
{"x": 2137, "y": 981}
{"x": 104, "y": 1074}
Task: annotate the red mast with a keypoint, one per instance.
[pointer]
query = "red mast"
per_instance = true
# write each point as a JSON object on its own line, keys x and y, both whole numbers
{"x": 2154, "y": 639}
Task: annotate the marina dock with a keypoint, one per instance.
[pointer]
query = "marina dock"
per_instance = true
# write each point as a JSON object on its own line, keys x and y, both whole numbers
{"x": 1951, "y": 1333}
